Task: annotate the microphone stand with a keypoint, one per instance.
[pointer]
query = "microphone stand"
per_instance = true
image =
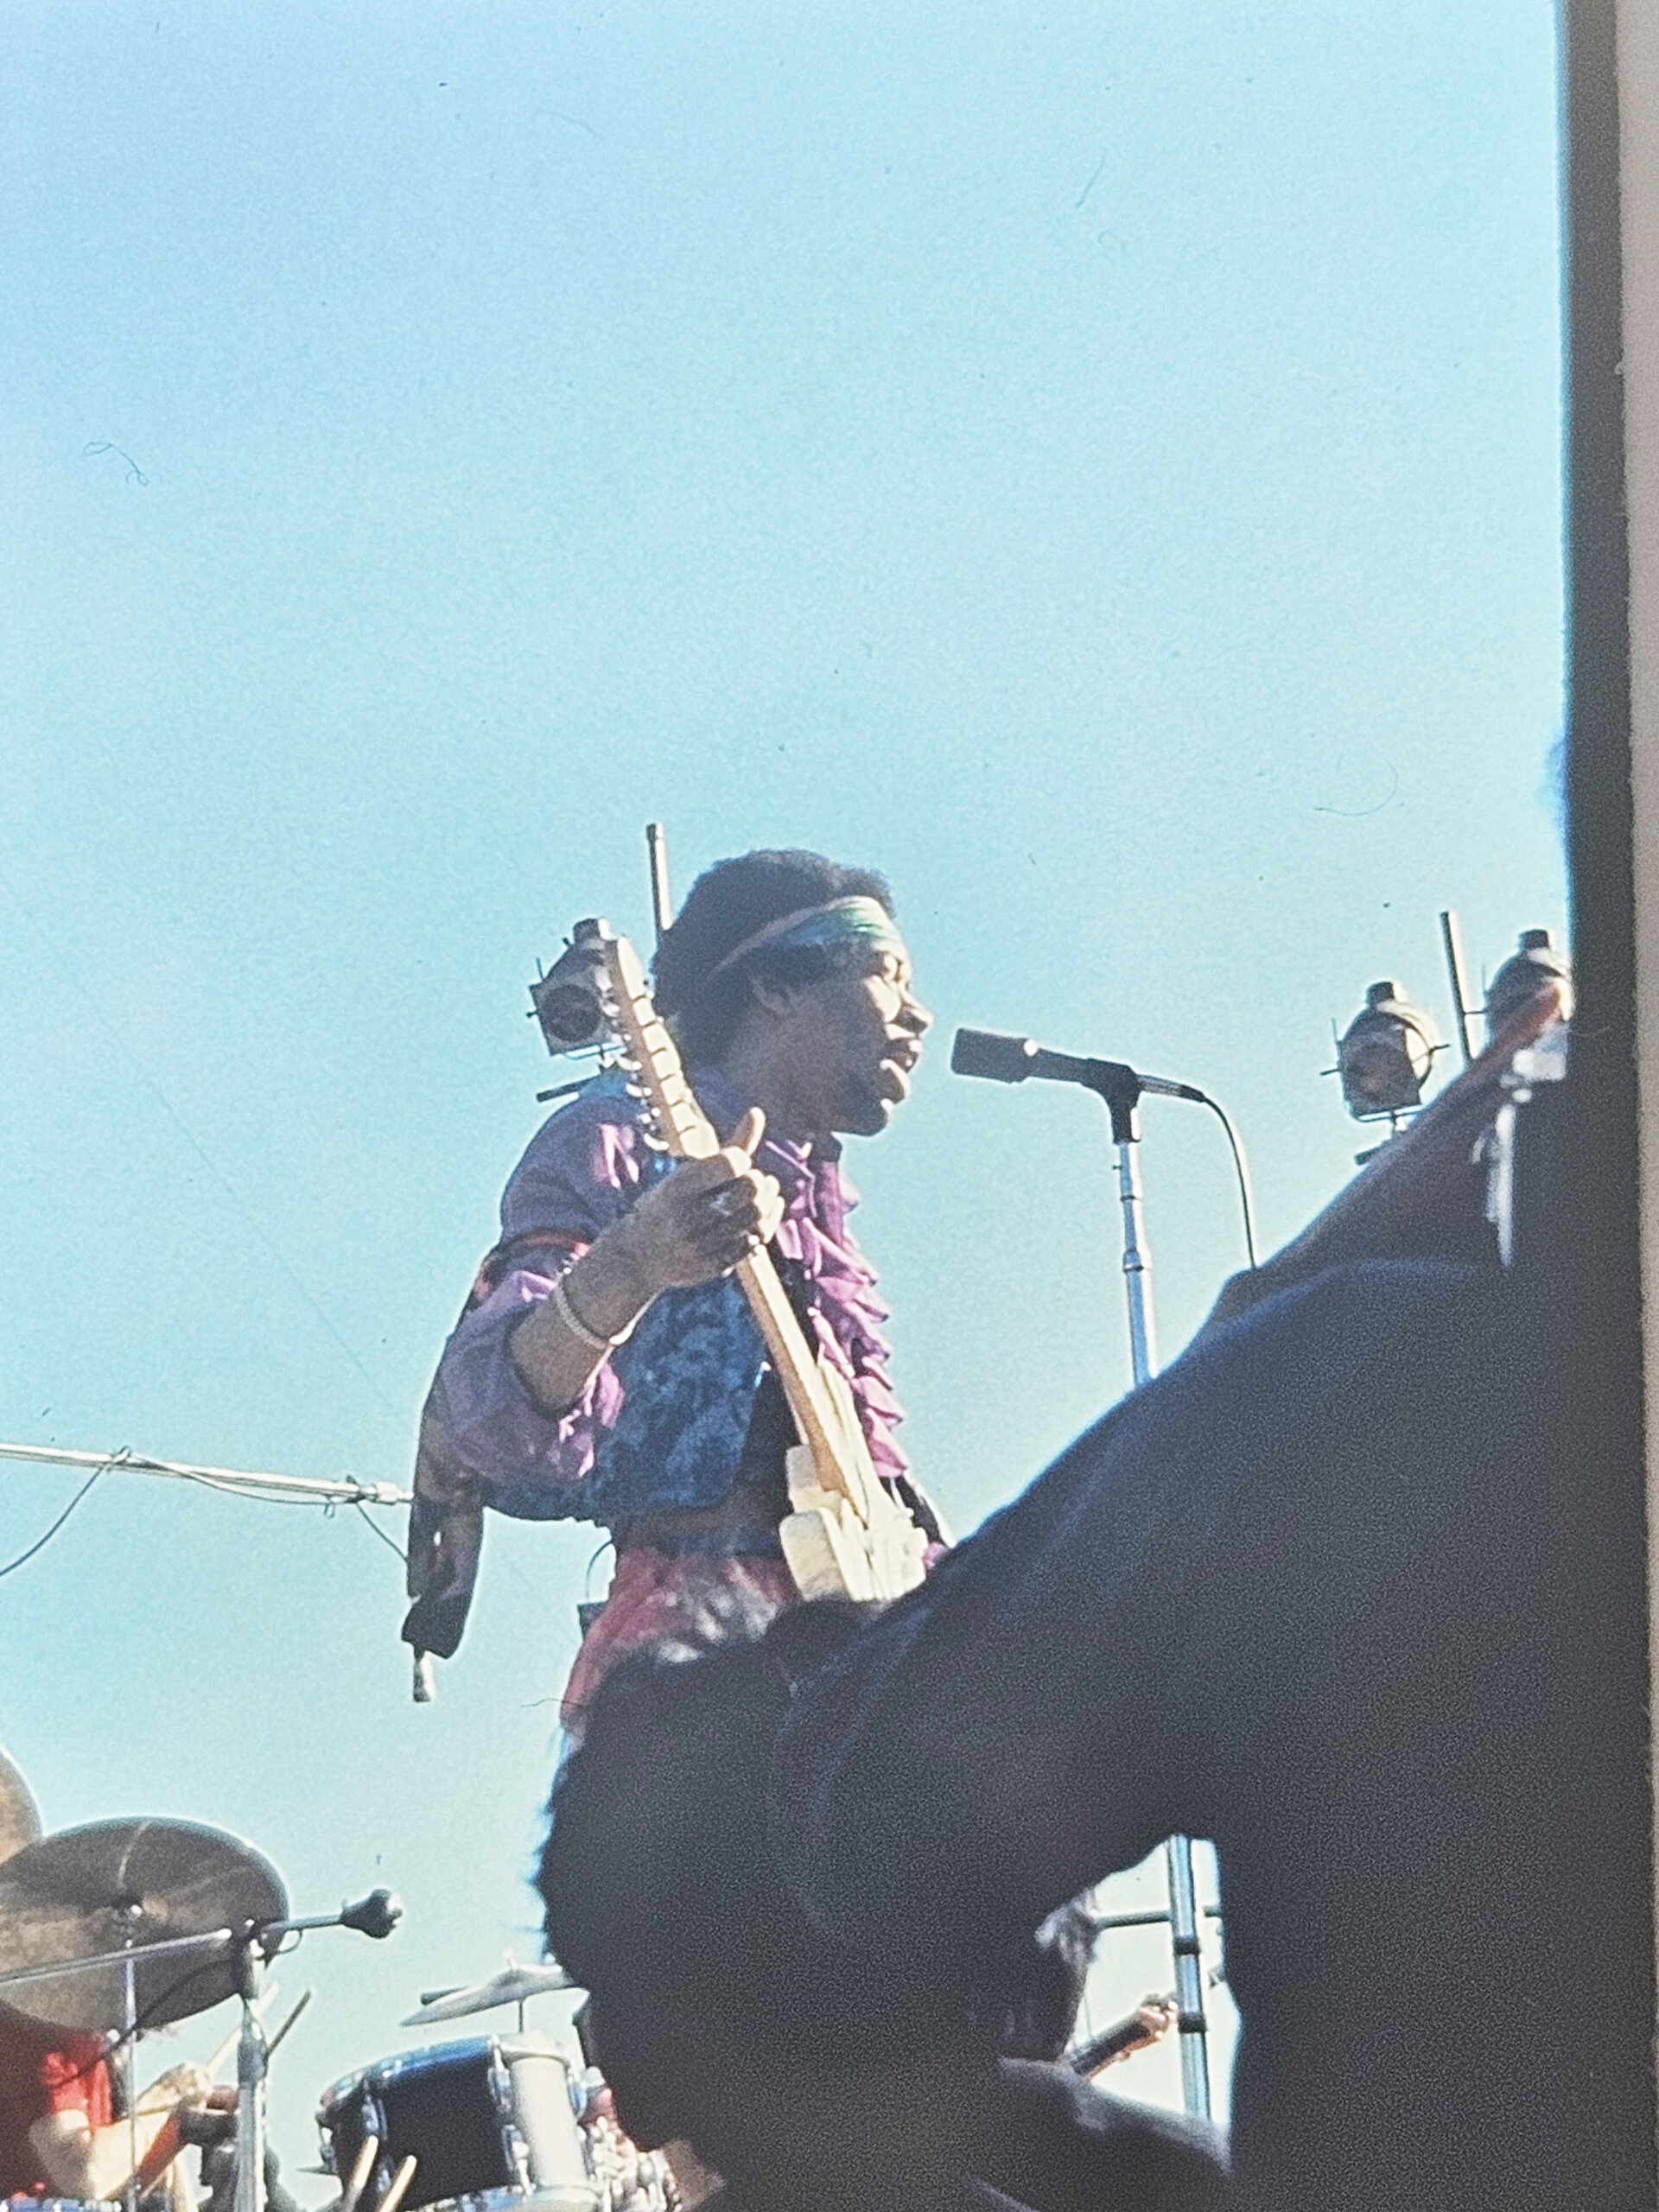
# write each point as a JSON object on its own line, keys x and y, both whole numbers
{"x": 1015, "y": 1059}
{"x": 1120, "y": 1103}
{"x": 254, "y": 1944}
{"x": 376, "y": 1916}
{"x": 1121, "y": 1088}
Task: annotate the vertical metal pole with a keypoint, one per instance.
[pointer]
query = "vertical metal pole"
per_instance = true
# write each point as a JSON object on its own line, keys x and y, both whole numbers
{"x": 130, "y": 2071}
{"x": 1137, "y": 1264}
{"x": 1177, "y": 1849}
{"x": 1452, "y": 937}
{"x": 662, "y": 905}
{"x": 1189, "y": 1976}
{"x": 250, "y": 2091}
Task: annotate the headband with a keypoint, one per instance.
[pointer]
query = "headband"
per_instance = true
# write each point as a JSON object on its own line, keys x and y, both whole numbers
{"x": 842, "y": 921}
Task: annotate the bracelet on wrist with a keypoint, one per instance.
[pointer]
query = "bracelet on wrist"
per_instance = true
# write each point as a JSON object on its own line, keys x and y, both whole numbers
{"x": 560, "y": 1298}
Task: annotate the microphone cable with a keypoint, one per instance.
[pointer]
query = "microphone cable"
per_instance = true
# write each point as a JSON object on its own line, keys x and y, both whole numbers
{"x": 1241, "y": 1166}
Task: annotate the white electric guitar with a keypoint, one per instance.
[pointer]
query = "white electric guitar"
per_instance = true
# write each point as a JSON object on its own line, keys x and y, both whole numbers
{"x": 846, "y": 1534}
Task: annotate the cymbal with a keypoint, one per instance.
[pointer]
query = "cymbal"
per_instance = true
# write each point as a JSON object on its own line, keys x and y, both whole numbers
{"x": 510, "y": 1987}
{"x": 90, "y": 1890}
{"x": 20, "y": 1816}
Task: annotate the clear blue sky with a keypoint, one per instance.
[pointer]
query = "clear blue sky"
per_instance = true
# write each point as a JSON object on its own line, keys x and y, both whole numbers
{"x": 1099, "y": 464}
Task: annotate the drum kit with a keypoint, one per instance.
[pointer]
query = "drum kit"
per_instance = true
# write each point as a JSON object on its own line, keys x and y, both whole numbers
{"x": 490, "y": 2123}
{"x": 120, "y": 1926}
{"x": 498, "y": 2123}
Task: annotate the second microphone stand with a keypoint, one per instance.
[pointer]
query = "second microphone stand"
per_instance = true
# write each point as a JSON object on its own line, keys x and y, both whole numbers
{"x": 374, "y": 1916}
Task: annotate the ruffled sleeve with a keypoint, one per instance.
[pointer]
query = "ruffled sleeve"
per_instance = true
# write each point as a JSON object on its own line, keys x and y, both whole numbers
{"x": 580, "y": 1174}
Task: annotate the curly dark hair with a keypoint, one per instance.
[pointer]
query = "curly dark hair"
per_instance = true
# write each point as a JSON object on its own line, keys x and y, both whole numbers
{"x": 729, "y": 902}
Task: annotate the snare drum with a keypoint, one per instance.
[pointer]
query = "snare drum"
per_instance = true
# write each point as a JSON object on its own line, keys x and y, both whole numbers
{"x": 490, "y": 2123}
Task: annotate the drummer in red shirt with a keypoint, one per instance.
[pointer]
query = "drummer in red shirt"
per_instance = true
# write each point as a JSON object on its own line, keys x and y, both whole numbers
{"x": 59, "y": 2135}
{"x": 45, "y": 2073}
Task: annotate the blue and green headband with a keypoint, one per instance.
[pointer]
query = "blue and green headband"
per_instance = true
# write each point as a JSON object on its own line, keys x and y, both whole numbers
{"x": 864, "y": 922}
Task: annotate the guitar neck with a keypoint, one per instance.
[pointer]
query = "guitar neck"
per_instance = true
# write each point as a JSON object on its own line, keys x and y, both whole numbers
{"x": 686, "y": 1131}
{"x": 796, "y": 1370}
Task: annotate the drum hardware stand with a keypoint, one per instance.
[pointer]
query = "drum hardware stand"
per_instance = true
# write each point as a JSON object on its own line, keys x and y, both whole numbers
{"x": 375, "y": 1915}
{"x": 212, "y": 1938}
{"x": 129, "y": 2052}
{"x": 1086, "y": 2057}
{"x": 253, "y": 2061}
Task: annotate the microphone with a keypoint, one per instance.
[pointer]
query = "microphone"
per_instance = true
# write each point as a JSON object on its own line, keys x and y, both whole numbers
{"x": 1002, "y": 1058}
{"x": 376, "y": 1915}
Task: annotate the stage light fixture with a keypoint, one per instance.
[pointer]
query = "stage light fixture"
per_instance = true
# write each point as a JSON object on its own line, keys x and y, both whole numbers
{"x": 1384, "y": 1055}
{"x": 566, "y": 1000}
{"x": 1535, "y": 966}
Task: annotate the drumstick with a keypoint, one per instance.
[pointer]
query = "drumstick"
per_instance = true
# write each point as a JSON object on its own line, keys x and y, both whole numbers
{"x": 365, "y": 2159}
{"x": 272, "y": 2047}
{"x": 400, "y": 2181}
{"x": 159, "y": 2156}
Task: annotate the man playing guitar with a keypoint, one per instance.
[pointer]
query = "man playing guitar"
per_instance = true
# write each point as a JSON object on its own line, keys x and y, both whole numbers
{"x": 607, "y": 1367}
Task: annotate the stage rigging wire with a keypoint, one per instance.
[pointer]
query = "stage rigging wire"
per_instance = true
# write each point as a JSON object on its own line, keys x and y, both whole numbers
{"x": 375, "y": 1529}
{"x": 41, "y": 1542}
{"x": 237, "y": 1482}
{"x": 264, "y": 1489}
{"x": 317, "y": 1492}
{"x": 281, "y": 1257}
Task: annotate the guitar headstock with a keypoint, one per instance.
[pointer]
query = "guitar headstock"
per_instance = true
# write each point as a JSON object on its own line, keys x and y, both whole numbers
{"x": 656, "y": 1076}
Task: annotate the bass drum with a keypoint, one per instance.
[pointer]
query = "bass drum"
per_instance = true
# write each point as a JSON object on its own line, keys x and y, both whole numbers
{"x": 490, "y": 2123}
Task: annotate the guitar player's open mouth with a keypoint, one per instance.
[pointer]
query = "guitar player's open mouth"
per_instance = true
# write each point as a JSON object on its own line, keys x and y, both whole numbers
{"x": 898, "y": 1065}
